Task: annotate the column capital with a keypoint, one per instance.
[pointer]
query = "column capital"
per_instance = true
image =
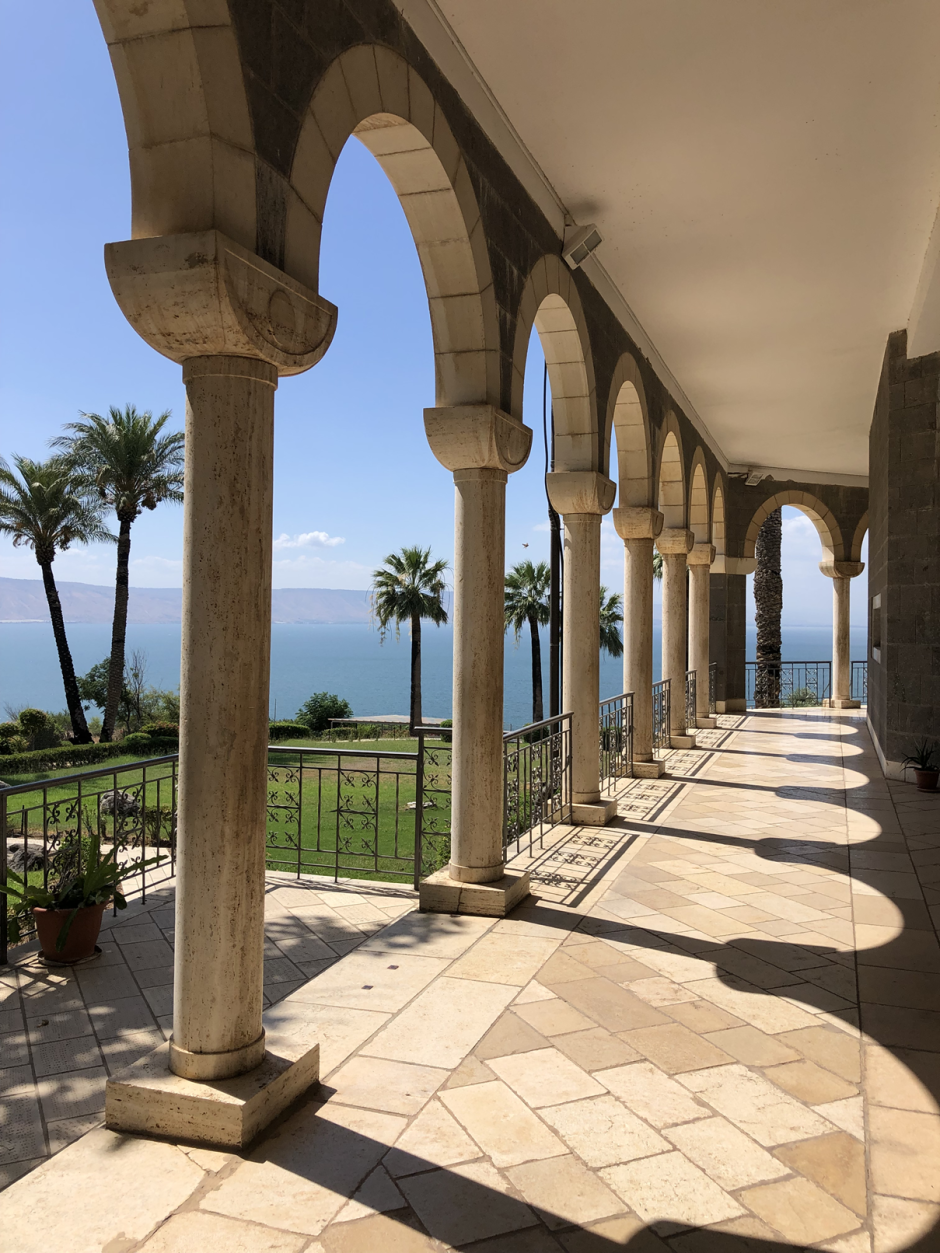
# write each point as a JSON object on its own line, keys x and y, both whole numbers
{"x": 675, "y": 539}
{"x": 701, "y": 555}
{"x": 734, "y": 565}
{"x": 477, "y": 437}
{"x": 637, "y": 522}
{"x": 841, "y": 569}
{"x": 203, "y": 295}
{"x": 580, "y": 491}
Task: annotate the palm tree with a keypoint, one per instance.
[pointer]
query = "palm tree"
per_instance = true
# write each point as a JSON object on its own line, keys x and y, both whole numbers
{"x": 768, "y": 606}
{"x": 406, "y": 588}
{"x": 47, "y": 509}
{"x": 657, "y": 565}
{"x": 526, "y": 601}
{"x": 132, "y": 466}
{"x": 611, "y": 617}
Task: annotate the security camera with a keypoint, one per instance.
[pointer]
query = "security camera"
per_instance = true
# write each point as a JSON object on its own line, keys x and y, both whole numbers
{"x": 580, "y": 242}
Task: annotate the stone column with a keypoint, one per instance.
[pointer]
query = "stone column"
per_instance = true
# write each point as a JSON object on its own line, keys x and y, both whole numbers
{"x": 235, "y": 323}
{"x": 841, "y": 573}
{"x": 638, "y": 527}
{"x": 675, "y": 543}
{"x": 582, "y": 497}
{"x": 700, "y": 560}
{"x": 481, "y": 446}
{"x": 728, "y": 642}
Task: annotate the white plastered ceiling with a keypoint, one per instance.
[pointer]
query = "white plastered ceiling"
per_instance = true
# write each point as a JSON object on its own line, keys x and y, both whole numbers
{"x": 766, "y": 175}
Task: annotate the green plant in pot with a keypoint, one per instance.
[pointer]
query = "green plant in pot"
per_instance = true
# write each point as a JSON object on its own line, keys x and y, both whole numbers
{"x": 68, "y": 914}
{"x": 923, "y": 760}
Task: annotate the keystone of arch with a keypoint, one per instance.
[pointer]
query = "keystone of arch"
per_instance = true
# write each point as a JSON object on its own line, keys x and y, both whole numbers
{"x": 701, "y": 555}
{"x": 841, "y": 569}
{"x": 203, "y": 295}
{"x": 675, "y": 539}
{"x": 477, "y": 437}
{"x": 580, "y": 491}
{"x": 637, "y": 522}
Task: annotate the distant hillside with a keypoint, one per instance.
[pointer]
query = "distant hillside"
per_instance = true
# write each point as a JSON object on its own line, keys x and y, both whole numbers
{"x": 23, "y": 600}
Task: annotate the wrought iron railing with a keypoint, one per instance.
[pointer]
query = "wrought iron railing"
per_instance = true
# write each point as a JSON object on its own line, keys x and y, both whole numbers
{"x": 712, "y": 687}
{"x": 616, "y": 738}
{"x": 661, "y": 715}
{"x": 536, "y": 780}
{"x": 432, "y": 834}
{"x": 691, "y": 716}
{"x": 860, "y": 681}
{"x": 800, "y": 683}
{"x": 46, "y": 826}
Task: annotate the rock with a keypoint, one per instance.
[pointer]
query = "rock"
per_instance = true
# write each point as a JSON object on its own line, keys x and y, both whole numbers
{"x": 123, "y": 803}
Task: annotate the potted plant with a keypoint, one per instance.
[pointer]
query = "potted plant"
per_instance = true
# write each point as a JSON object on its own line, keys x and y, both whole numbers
{"x": 924, "y": 762}
{"x": 68, "y": 914}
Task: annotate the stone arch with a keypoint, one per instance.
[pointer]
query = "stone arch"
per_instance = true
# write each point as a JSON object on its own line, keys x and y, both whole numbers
{"x": 670, "y": 476}
{"x": 855, "y": 552}
{"x": 189, "y": 134}
{"x": 370, "y": 93}
{"x": 699, "y": 520}
{"x": 822, "y": 518}
{"x": 718, "y": 519}
{"x": 550, "y": 302}
{"x": 628, "y": 417}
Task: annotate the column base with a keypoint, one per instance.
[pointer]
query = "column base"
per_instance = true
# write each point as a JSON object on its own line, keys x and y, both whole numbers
{"x": 683, "y": 741}
{"x": 708, "y": 723}
{"x": 595, "y": 814}
{"x": 649, "y": 769}
{"x": 228, "y": 1113}
{"x": 841, "y": 702}
{"x": 440, "y": 894}
{"x": 737, "y": 705}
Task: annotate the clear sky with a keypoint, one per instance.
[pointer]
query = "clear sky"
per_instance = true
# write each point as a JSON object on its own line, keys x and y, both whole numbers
{"x": 354, "y": 477}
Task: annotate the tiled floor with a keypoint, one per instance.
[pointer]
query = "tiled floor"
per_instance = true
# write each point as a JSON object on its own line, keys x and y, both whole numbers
{"x": 730, "y": 1043}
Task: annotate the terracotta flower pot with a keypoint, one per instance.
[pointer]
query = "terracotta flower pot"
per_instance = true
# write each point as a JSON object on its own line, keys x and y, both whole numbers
{"x": 927, "y": 780}
{"x": 82, "y": 936}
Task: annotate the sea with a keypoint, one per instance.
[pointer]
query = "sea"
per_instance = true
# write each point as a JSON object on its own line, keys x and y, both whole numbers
{"x": 350, "y": 660}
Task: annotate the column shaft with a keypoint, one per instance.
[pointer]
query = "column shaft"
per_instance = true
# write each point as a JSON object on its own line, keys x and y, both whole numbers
{"x": 581, "y": 651}
{"x": 841, "y": 639}
{"x": 225, "y": 665}
{"x": 699, "y": 610}
{"x": 638, "y": 641}
{"x": 674, "y": 636}
{"x": 477, "y": 778}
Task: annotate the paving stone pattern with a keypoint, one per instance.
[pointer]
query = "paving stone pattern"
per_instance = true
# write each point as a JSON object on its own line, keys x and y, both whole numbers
{"x": 730, "y": 1046}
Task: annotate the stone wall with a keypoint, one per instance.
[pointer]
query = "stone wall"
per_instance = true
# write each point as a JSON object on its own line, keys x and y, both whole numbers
{"x": 904, "y": 555}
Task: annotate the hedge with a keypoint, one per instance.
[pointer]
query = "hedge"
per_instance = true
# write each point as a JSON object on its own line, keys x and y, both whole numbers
{"x": 288, "y": 731}
{"x": 76, "y": 755}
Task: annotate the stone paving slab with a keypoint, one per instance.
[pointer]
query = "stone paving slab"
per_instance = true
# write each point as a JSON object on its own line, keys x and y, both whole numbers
{"x": 708, "y": 1055}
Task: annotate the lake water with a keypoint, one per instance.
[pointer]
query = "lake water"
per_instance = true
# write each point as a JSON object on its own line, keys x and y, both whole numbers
{"x": 348, "y": 660}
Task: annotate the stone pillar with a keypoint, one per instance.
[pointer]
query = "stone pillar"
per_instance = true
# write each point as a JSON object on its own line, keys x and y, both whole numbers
{"x": 675, "y": 543}
{"x": 841, "y": 573}
{"x": 638, "y": 527}
{"x": 729, "y": 641}
{"x": 700, "y": 560}
{"x": 235, "y": 323}
{"x": 582, "y": 497}
{"x": 481, "y": 446}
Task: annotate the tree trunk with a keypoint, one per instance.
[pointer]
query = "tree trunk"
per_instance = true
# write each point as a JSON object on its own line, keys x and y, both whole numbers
{"x": 76, "y": 712}
{"x": 415, "y": 717}
{"x": 118, "y": 632}
{"x": 768, "y": 606}
{"x": 537, "y": 714}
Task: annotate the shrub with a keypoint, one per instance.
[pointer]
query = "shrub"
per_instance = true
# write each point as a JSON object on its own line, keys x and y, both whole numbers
{"x": 287, "y": 730}
{"x": 162, "y": 730}
{"x": 801, "y": 697}
{"x": 316, "y": 712}
{"x": 78, "y": 755}
{"x": 9, "y": 730}
{"x": 39, "y": 729}
{"x": 136, "y": 740}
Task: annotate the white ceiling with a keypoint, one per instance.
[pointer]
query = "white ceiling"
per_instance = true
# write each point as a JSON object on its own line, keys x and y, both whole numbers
{"x": 765, "y": 175}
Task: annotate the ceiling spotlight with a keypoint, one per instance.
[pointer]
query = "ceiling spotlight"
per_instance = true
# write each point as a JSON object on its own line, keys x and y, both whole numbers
{"x": 756, "y": 476}
{"x": 580, "y": 242}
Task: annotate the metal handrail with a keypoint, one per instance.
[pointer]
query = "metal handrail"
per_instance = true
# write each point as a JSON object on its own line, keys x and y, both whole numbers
{"x": 798, "y": 683}
{"x": 691, "y": 715}
{"x": 713, "y": 687}
{"x": 859, "y": 689}
{"x": 616, "y": 738}
{"x": 662, "y": 701}
{"x": 536, "y": 780}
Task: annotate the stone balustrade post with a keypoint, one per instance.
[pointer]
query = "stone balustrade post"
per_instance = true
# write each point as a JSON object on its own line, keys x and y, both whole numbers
{"x": 700, "y": 560}
{"x": 841, "y": 573}
{"x": 675, "y": 543}
{"x": 481, "y": 446}
{"x": 235, "y": 323}
{"x": 582, "y": 497}
{"x": 638, "y": 527}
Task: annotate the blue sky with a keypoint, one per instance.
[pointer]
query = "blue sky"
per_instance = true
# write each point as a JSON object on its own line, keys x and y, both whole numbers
{"x": 354, "y": 477}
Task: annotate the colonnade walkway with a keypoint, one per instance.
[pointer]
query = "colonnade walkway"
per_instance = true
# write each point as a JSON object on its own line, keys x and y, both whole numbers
{"x": 717, "y": 1031}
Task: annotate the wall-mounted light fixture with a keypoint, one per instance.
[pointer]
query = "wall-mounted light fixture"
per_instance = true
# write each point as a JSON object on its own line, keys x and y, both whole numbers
{"x": 580, "y": 242}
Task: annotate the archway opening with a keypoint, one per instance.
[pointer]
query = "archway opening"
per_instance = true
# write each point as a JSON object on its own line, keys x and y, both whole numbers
{"x": 698, "y": 506}
{"x": 671, "y": 488}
